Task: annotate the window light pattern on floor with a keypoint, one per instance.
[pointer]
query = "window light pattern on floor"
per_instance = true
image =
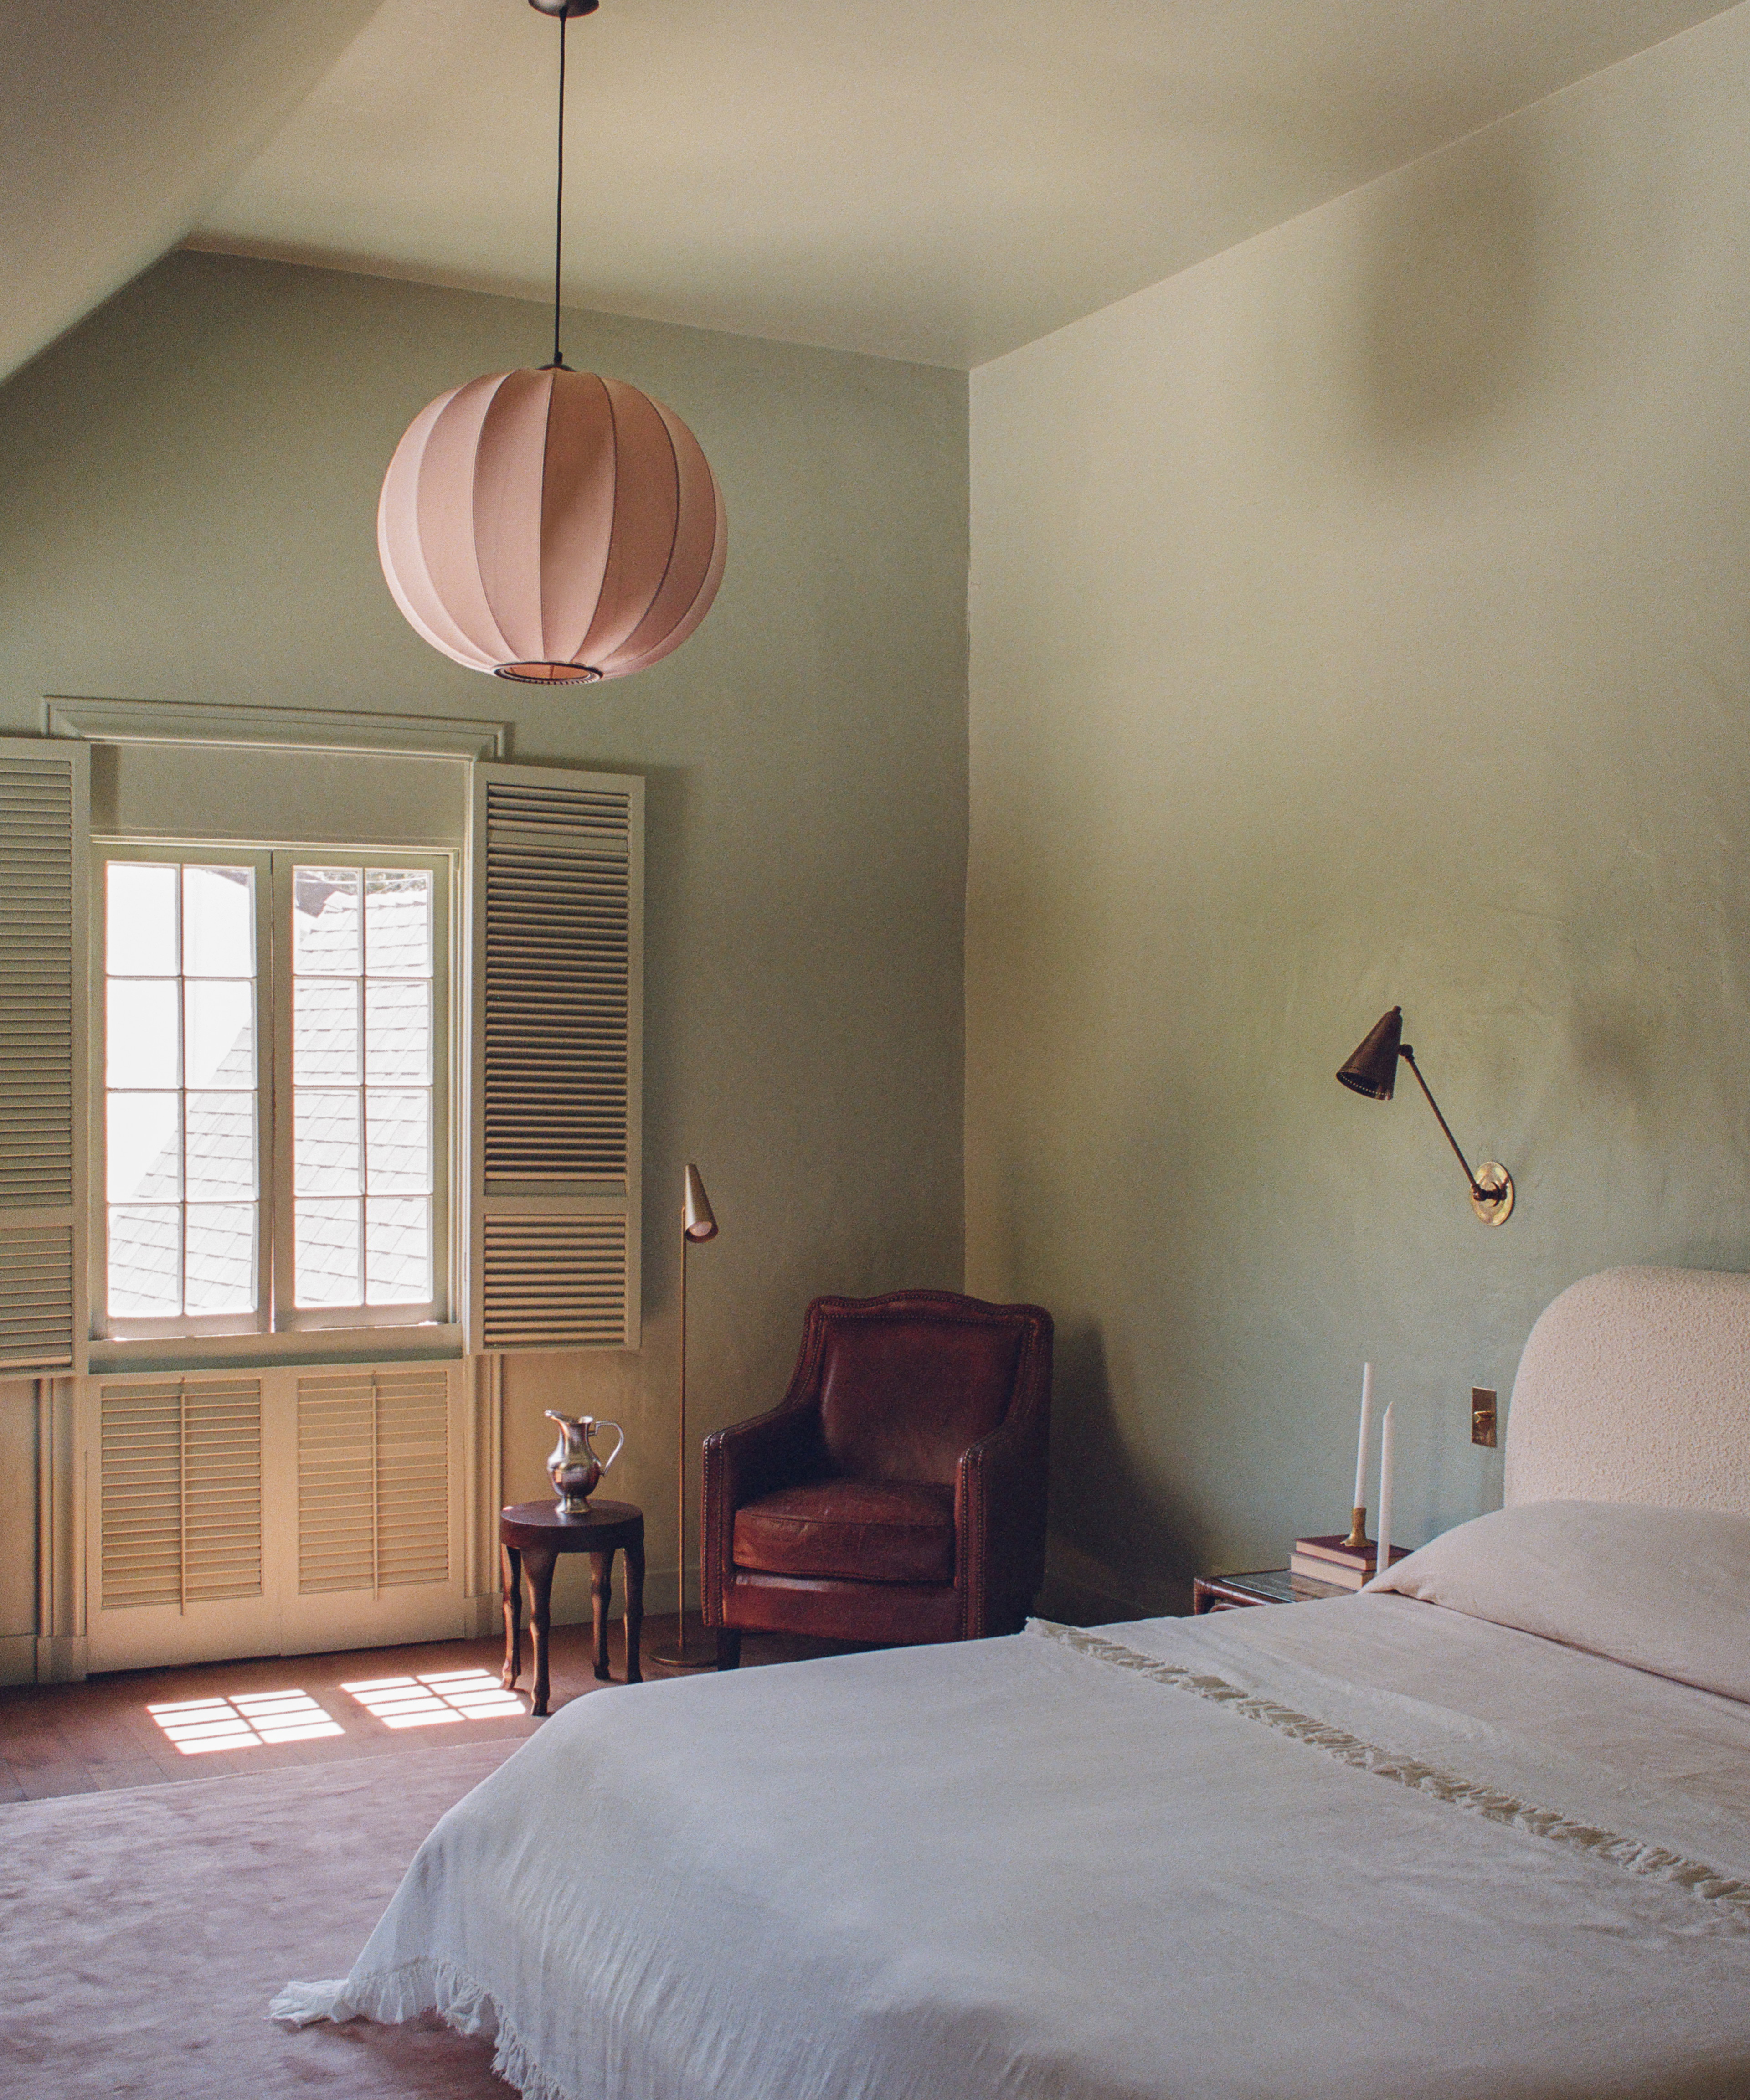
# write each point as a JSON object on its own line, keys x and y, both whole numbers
{"x": 243, "y": 1722}
{"x": 435, "y": 1696}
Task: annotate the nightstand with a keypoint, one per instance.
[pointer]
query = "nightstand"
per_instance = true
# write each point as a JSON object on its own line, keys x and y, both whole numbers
{"x": 1264, "y": 1585}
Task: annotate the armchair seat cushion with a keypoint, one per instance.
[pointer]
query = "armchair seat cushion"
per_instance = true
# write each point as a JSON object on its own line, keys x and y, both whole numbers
{"x": 860, "y": 1531}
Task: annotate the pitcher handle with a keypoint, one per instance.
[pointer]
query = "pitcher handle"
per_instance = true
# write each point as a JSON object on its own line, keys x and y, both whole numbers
{"x": 620, "y": 1446}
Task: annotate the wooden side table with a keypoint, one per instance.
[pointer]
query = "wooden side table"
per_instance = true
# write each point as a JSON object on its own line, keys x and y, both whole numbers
{"x": 1262, "y": 1586}
{"x": 538, "y": 1532}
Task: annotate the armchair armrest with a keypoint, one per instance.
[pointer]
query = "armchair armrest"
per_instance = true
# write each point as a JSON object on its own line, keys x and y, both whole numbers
{"x": 741, "y": 1464}
{"x": 1001, "y": 1486}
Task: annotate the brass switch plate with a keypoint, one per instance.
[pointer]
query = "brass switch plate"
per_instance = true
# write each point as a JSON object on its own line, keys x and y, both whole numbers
{"x": 1483, "y": 1415}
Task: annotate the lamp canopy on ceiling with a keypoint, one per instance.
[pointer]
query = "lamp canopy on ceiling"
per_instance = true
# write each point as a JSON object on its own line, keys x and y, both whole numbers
{"x": 552, "y": 527}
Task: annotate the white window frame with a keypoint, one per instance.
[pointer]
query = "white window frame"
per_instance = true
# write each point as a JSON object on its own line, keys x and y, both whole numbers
{"x": 289, "y": 1317}
{"x": 280, "y": 1328}
{"x": 128, "y": 1327}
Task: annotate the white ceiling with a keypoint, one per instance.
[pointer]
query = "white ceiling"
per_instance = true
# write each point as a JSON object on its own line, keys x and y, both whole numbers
{"x": 940, "y": 181}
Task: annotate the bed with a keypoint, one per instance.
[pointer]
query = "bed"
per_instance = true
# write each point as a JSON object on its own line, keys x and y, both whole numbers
{"x": 1481, "y": 1833}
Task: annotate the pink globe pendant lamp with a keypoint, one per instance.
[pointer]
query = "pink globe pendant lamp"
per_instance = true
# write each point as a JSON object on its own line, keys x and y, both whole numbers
{"x": 551, "y": 527}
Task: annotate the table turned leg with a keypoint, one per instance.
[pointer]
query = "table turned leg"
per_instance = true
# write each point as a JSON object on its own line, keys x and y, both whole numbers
{"x": 634, "y": 1610}
{"x": 541, "y": 1561}
{"x": 601, "y": 1585}
{"x": 510, "y": 1582}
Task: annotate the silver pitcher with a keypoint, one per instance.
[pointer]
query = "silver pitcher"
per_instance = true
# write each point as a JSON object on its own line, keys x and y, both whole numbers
{"x": 573, "y": 1465}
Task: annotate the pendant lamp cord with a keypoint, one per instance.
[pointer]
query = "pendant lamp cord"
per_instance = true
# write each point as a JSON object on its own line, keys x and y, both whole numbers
{"x": 558, "y": 210}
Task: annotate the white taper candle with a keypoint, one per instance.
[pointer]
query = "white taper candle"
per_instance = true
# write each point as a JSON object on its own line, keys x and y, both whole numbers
{"x": 1384, "y": 1561}
{"x": 1359, "y": 1501}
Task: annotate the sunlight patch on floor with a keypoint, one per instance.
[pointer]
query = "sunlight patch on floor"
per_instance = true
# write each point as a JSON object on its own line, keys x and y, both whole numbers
{"x": 243, "y": 1722}
{"x": 435, "y": 1696}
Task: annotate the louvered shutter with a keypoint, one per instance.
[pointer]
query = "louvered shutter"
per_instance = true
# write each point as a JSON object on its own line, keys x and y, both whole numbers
{"x": 180, "y": 1468}
{"x": 45, "y": 851}
{"x": 556, "y": 949}
{"x": 373, "y": 1480}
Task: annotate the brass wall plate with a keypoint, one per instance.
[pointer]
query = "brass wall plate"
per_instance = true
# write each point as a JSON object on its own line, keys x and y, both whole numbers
{"x": 1491, "y": 1177}
{"x": 1483, "y": 1415}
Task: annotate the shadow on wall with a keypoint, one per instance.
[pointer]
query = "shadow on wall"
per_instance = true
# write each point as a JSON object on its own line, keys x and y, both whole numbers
{"x": 1449, "y": 298}
{"x": 1107, "y": 1512}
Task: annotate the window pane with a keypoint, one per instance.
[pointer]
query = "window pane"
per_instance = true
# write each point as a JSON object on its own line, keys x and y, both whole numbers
{"x": 328, "y": 1254}
{"x": 139, "y": 928}
{"x": 325, "y": 1145}
{"x": 221, "y": 1156}
{"x": 145, "y": 1263}
{"x": 221, "y": 1257}
{"x": 143, "y": 1044}
{"x": 398, "y": 1237}
{"x": 183, "y": 1107}
{"x": 397, "y": 1135}
{"x": 219, "y": 1038}
{"x": 218, "y": 922}
{"x": 325, "y": 1031}
{"x": 145, "y": 1134}
{"x": 326, "y": 921}
{"x": 398, "y": 1032}
{"x": 398, "y": 922}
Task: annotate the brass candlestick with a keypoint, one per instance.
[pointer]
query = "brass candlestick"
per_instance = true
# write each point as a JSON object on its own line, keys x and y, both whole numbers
{"x": 1358, "y": 1541}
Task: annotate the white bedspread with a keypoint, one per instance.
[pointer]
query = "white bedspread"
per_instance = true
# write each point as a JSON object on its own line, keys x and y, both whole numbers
{"x": 1341, "y": 1852}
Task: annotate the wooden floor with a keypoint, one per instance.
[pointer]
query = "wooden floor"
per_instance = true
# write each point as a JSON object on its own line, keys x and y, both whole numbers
{"x": 251, "y": 1716}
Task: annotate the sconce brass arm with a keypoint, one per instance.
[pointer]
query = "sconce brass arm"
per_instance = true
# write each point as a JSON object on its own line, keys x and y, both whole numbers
{"x": 1478, "y": 1194}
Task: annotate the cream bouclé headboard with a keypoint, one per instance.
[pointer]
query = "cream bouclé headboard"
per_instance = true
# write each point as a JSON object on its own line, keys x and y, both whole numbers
{"x": 1635, "y": 1387}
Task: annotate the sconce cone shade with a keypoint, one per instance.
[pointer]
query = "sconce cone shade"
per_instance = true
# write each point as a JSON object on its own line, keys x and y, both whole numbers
{"x": 552, "y": 527}
{"x": 699, "y": 1221}
{"x": 1373, "y": 1068}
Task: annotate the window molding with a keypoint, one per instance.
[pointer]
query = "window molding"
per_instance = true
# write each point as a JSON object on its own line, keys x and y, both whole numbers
{"x": 307, "y": 728}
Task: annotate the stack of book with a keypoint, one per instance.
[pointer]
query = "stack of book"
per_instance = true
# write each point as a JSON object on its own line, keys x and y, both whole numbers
{"x": 1330, "y": 1559}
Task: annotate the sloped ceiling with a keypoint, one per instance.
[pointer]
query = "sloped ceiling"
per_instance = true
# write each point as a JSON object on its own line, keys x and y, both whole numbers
{"x": 118, "y": 121}
{"x": 935, "y": 179}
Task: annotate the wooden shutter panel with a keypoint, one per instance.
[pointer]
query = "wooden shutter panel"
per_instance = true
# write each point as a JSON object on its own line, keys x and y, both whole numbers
{"x": 556, "y": 953}
{"x": 373, "y": 1480}
{"x": 45, "y": 852}
{"x": 181, "y": 1468}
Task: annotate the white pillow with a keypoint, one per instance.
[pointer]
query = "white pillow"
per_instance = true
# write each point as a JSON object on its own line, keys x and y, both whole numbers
{"x": 1664, "y": 1590}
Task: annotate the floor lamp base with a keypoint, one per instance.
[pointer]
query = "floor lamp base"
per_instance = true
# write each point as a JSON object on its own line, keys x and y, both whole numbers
{"x": 683, "y": 1658}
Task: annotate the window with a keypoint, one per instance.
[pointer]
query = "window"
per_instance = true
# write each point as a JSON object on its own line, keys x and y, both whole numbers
{"x": 276, "y": 1130}
{"x": 266, "y": 1100}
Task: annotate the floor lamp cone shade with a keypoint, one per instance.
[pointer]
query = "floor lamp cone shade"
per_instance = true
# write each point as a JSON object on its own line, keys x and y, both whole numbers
{"x": 698, "y": 1220}
{"x": 552, "y": 527}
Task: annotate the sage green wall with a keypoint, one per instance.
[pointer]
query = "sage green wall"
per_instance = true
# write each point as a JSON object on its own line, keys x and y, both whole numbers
{"x": 188, "y": 504}
{"x": 1361, "y": 617}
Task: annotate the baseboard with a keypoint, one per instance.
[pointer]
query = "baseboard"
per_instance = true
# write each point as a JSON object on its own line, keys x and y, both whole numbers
{"x": 482, "y": 1615}
{"x": 18, "y": 1658}
{"x": 60, "y": 1658}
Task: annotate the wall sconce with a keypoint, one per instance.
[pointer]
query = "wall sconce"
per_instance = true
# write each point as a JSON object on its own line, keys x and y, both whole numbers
{"x": 1373, "y": 1071}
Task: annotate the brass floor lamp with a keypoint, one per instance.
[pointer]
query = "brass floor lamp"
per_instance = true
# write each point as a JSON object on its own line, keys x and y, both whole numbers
{"x": 698, "y": 1224}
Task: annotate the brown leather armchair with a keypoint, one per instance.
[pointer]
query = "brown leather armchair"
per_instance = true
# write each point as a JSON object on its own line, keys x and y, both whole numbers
{"x": 897, "y": 1495}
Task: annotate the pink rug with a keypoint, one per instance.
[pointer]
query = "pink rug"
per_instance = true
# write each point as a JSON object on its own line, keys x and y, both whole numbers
{"x": 143, "y": 1931}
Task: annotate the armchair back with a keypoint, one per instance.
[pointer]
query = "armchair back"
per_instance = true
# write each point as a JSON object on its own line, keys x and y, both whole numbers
{"x": 906, "y": 1389}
